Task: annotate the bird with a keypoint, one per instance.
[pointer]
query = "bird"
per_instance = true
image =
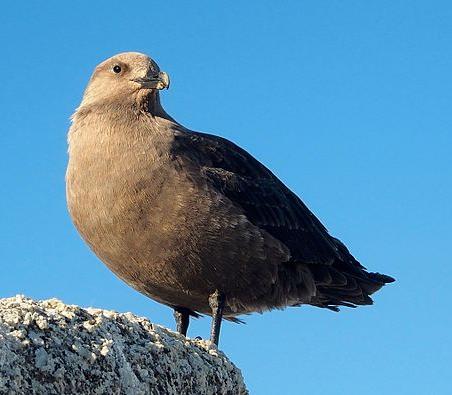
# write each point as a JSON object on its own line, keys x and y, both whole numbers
{"x": 190, "y": 219}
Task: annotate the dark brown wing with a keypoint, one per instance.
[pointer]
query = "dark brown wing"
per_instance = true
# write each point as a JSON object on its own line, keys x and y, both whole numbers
{"x": 263, "y": 198}
{"x": 270, "y": 205}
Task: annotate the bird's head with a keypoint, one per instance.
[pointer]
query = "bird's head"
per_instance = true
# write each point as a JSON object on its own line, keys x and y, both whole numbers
{"x": 124, "y": 78}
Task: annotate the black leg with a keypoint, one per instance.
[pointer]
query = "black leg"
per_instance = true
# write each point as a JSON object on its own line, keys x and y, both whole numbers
{"x": 182, "y": 318}
{"x": 216, "y": 302}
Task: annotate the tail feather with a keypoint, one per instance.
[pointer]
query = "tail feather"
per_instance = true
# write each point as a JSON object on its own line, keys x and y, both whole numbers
{"x": 337, "y": 286}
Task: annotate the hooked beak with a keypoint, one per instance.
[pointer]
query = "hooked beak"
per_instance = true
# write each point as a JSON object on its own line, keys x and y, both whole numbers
{"x": 158, "y": 81}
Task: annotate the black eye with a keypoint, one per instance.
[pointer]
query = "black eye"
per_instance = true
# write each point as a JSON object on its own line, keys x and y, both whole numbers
{"x": 117, "y": 69}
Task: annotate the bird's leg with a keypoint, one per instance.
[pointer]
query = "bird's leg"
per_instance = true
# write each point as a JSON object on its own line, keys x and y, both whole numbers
{"x": 216, "y": 303}
{"x": 182, "y": 318}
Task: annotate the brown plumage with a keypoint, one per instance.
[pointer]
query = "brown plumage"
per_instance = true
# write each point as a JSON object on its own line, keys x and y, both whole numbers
{"x": 190, "y": 219}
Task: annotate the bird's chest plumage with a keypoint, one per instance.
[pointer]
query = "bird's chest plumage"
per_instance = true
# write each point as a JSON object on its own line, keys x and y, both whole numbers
{"x": 126, "y": 198}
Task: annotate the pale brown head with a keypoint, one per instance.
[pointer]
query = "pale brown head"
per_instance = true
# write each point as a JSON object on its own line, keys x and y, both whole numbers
{"x": 124, "y": 78}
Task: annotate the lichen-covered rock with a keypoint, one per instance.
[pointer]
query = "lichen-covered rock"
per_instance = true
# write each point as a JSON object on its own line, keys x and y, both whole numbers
{"x": 48, "y": 347}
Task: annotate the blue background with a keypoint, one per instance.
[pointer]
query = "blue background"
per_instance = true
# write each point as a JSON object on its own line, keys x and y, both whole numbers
{"x": 348, "y": 102}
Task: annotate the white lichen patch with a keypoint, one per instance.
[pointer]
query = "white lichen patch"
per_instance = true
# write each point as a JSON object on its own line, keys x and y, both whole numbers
{"x": 49, "y": 347}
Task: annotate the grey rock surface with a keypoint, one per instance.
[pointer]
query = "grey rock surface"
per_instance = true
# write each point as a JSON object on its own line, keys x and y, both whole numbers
{"x": 48, "y": 347}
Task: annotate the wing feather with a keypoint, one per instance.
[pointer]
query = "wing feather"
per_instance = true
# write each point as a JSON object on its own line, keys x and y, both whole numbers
{"x": 262, "y": 197}
{"x": 267, "y": 203}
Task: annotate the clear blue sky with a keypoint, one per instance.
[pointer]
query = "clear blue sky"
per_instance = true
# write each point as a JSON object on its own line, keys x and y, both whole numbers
{"x": 348, "y": 102}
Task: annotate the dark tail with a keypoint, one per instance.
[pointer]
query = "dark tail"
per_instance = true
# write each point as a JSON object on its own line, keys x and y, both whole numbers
{"x": 336, "y": 288}
{"x": 346, "y": 282}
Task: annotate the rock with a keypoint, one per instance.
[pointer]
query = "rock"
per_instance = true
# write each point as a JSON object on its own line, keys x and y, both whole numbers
{"x": 49, "y": 347}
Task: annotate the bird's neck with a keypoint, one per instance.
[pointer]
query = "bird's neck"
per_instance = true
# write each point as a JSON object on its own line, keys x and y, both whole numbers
{"x": 149, "y": 101}
{"x": 143, "y": 102}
